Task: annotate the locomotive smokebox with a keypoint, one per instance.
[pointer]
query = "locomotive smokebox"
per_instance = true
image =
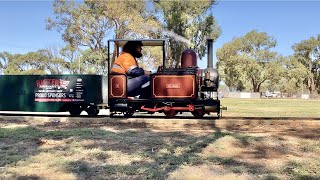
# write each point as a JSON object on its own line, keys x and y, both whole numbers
{"x": 188, "y": 59}
{"x": 211, "y": 74}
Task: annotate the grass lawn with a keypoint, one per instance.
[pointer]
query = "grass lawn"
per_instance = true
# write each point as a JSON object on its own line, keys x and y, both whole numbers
{"x": 255, "y": 149}
{"x": 271, "y": 107}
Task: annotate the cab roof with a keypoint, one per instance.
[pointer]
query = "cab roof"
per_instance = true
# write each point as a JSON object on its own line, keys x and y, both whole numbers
{"x": 145, "y": 42}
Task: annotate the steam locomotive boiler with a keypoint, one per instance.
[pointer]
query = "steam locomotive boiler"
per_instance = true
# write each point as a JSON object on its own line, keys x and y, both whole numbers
{"x": 185, "y": 88}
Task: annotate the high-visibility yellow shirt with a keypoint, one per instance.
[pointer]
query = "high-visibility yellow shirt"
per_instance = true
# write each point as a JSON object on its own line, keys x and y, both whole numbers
{"x": 124, "y": 64}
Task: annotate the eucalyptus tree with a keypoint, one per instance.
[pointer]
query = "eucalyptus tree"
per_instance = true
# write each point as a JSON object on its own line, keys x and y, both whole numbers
{"x": 72, "y": 59}
{"x": 130, "y": 20}
{"x": 80, "y": 26}
{"x": 42, "y": 61}
{"x": 88, "y": 24}
{"x": 308, "y": 53}
{"x": 249, "y": 59}
{"x": 54, "y": 62}
{"x": 188, "y": 24}
{"x": 293, "y": 76}
{"x": 30, "y": 63}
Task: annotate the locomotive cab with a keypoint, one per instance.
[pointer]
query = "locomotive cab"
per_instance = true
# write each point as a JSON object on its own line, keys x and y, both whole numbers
{"x": 172, "y": 90}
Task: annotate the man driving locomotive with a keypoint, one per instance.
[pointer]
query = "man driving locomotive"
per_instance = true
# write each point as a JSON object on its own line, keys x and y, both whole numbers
{"x": 138, "y": 79}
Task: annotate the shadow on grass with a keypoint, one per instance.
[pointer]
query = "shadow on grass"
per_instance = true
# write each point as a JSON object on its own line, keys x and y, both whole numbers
{"x": 18, "y": 144}
{"x": 160, "y": 164}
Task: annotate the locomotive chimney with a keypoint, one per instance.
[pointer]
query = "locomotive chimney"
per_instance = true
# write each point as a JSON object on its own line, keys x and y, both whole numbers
{"x": 210, "y": 54}
{"x": 211, "y": 75}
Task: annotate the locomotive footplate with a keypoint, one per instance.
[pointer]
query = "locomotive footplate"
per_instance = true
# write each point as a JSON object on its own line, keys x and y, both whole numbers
{"x": 169, "y": 107}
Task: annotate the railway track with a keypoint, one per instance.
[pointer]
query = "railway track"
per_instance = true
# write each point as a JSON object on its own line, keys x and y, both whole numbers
{"x": 147, "y": 117}
{"x": 180, "y": 122}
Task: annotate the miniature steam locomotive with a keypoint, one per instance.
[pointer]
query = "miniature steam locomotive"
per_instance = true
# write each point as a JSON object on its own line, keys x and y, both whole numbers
{"x": 185, "y": 88}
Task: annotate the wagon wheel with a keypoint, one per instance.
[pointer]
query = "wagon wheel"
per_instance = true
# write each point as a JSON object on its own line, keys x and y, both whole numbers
{"x": 92, "y": 111}
{"x": 75, "y": 110}
{"x": 219, "y": 116}
{"x": 171, "y": 113}
{"x": 198, "y": 113}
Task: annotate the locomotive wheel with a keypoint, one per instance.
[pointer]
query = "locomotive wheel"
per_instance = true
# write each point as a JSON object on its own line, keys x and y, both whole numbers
{"x": 92, "y": 111}
{"x": 171, "y": 113}
{"x": 198, "y": 114}
{"x": 128, "y": 114}
{"x": 75, "y": 110}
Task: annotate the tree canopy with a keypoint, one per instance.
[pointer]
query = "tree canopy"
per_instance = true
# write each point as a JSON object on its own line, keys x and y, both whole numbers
{"x": 88, "y": 24}
{"x": 245, "y": 63}
{"x": 191, "y": 20}
{"x": 248, "y": 59}
{"x": 307, "y": 52}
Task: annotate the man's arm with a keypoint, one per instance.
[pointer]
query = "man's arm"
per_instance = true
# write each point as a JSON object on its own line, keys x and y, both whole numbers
{"x": 136, "y": 72}
{"x": 147, "y": 72}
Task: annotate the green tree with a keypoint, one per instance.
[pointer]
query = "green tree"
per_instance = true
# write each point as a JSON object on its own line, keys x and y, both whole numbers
{"x": 89, "y": 23}
{"x": 130, "y": 20}
{"x": 4, "y": 61}
{"x": 81, "y": 26}
{"x": 229, "y": 67}
{"x": 187, "y": 19}
{"x": 42, "y": 61}
{"x": 126, "y": 18}
{"x": 290, "y": 77}
{"x": 92, "y": 62}
{"x": 308, "y": 53}
{"x": 294, "y": 75}
{"x": 71, "y": 55}
{"x": 152, "y": 58}
{"x": 30, "y": 63}
{"x": 54, "y": 62}
{"x": 249, "y": 59}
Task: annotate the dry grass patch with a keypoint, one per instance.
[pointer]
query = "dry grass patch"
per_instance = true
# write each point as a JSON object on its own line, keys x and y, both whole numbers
{"x": 268, "y": 154}
{"x": 48, "y": 165}
{"x": 222, "y": 147}
{"x": 119, "y": 158}
{"x": 206, "y": 172}
{"x": 307, "y": 168}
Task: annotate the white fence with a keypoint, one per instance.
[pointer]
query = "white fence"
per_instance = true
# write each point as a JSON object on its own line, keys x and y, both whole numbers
{"x": 257, "y": 95}
{"x": 251, "y": 95}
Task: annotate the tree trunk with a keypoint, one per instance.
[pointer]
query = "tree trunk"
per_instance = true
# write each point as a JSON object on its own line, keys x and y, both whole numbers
{"x": 311, "y": 86}
{"x": 255, "y": 86}
{"x": 256, "y": 89}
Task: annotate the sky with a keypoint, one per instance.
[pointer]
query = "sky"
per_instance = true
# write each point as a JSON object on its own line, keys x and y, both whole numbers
{"x": 22, "y": 23}
{"x": 22, "y": 26}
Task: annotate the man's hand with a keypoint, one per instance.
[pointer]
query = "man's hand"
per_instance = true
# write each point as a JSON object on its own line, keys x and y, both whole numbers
{"x": 147, "y": 72}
